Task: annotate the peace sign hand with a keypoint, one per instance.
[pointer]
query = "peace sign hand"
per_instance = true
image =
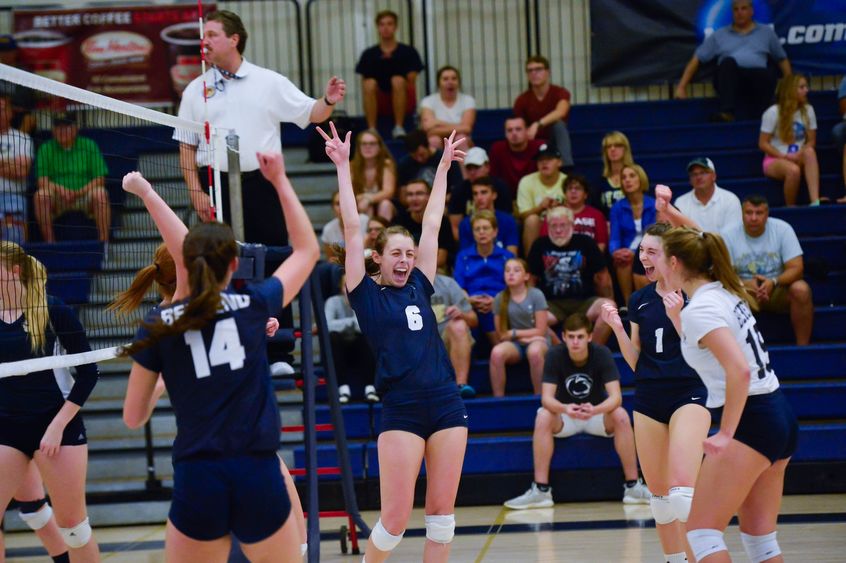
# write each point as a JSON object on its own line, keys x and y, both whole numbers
{"x": 337, "y": 150}
{"x": 451, "y": 151}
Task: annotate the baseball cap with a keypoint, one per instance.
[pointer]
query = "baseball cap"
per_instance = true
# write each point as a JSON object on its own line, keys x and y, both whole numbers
{"x": 702, "y": 161}
{"x": 476, "y": 157}
{"x": 547, "y": 151}
{"x": 64, "y": 118}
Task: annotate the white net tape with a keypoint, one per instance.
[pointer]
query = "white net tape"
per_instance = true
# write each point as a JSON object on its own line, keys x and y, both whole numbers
{"x": 23, "y": 367}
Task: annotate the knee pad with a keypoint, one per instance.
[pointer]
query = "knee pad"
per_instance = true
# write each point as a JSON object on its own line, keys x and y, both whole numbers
{"x": 382, "y": 539}
{"x": 705, "y": 542}
{"x": 680, "y": 499}
{"x": 440, "y": 528}
{"x": 34, "y": 515}
{"x": 760, "y": 548}
{"x": 77, "y": 536}
{"x": 662, "y": 510}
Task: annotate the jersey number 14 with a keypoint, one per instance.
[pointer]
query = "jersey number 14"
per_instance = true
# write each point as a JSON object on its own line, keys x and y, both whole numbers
{"x": 225, "y": 349}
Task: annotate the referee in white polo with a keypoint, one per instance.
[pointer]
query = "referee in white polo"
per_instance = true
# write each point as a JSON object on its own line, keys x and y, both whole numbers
{"x": 253, "y": 101}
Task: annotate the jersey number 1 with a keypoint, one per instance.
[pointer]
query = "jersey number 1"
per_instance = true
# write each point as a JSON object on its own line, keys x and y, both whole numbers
{"x": 225, "y": 348}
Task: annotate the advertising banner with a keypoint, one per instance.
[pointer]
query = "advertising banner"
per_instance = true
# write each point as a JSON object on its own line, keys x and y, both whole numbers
{"x": 638, "y": 43}
{"x": 144, "y": 55}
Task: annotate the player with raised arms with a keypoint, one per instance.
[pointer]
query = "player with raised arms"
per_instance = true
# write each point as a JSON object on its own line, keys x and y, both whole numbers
{"x": 209, "y": 345}
{"x": 670, "y": 418}
{"x": 743, "y": 469}
{"x": 423, "y": 416}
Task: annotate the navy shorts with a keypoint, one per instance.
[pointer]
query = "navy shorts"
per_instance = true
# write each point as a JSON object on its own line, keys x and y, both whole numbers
{"x": 245, "y": 495}
{"x": 660, "y": 398}
{"x": 767, "y": 425}
{"x": 423, "y": 412}
{"x": 24, "y": 433}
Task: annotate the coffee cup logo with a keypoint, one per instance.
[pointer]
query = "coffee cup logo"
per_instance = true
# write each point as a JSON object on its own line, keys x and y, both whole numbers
{"x": 183, "y": 40}
{"x": 45, "y": 52}
{"x": 116, "y": 47}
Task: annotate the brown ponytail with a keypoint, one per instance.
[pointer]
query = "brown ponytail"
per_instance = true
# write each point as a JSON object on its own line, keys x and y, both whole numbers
{"x": 162, "y": 273}
{"x": 705, "y": 254}
{"x": 208, "y": 250}
{"x": 33, "y": 277}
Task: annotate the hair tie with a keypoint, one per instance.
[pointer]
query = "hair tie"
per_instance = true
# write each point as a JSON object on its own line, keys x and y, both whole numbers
{"x": 702, "y": 235}
{"x": 156, "y": 264}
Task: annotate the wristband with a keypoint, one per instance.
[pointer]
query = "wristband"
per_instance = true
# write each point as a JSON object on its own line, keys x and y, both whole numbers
{"x": 327, "y": 102}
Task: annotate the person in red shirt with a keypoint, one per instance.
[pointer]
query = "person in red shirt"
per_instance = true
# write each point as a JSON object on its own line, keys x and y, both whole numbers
{"x": 514, "y": 157}
{"x": 545, "y": 107}
{"x": 588, "y": 220}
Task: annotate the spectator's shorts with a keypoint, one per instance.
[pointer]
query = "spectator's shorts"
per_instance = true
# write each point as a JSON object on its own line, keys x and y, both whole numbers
{"x": 563, "y": 308}
{"x": 595, "y": 426}
{"x": 779, "y": 301}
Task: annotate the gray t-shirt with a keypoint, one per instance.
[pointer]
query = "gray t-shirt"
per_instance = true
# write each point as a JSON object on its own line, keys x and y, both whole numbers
{"x": 447, "y": 293}
{"x": 522, "y": 315}
{"x": 750, "y": 50}
{"x": 584, "y": 383}
{"x": 14, "y": 144}
{"x": 764, "y": 255}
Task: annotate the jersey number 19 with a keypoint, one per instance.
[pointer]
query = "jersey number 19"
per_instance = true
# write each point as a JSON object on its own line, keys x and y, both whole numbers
{"x": 759, "y": 349}
{"x": 225, "y": 348}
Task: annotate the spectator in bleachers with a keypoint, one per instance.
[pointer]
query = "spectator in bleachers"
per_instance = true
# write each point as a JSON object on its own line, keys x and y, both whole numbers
{"x": 484, "y": 199}
{"x": 616, "y": 153}
{"x": 333, "y": 231}
{"x": 629, "y": 219}
{"x": 71, "y": 176}
{"x": 479, "y": 270}
{"x": 744, "y": 51}
{"x": 374, "y": 175}
{"x": 839, "y": 131}
{"x": 789, "y": 137}
{"x": 581, "y": 394}
{"x": 447, "y": 109}
{"x": 539, "y": 192}
{"x": 22, "y": 98}
{"x": 476, "y": 166}
{"x": 388, "y": 71}
{"x": 416, "y": 197}
{"x": 546, "y": 108}
{"x": 587, "y": 220}
{"x": 571, "y": 272}
{"x": 455, "y": 318}
{"x": 514, "y": 157}
{"x": 766, "y": 254}
{"x": 711, "y": 207}
{"x": 16, "y": 150}
{"x": 351, "y": 354}
{"x": 421, "y": 162}
{"x": 375, "y": 226}
{"x": 520, "y": 320}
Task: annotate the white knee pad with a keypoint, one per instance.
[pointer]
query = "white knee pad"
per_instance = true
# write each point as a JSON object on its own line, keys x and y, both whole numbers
{"x": 77, "y": 536}
{"x": 705, "y": 542}
{"x": 680, "y": 499}
{"x": 662, "y": 510}
{"x": 38, "y": 519}
{"x": 760, "y": 548}
{"x": 382, "y": 539}
{"x": 440, "y": 528}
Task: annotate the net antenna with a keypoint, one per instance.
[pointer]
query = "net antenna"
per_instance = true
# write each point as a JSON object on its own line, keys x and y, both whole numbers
{"x": 215, "y": 193}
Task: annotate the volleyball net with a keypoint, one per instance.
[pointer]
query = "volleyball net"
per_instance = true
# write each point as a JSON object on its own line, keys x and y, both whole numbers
{"x": 63, "y": 154}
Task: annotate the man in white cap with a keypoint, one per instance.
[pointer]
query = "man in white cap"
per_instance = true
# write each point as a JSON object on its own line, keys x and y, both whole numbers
{"x": 476, "y": 165}
{"x": 710, "y": 206}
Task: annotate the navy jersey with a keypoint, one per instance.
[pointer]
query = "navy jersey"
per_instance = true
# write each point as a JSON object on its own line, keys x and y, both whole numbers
{"x": 45, "y": 391}
{"x": 660, "y": 344}
{"x": 402, "y": 330}
{"x": 218, "y": 378}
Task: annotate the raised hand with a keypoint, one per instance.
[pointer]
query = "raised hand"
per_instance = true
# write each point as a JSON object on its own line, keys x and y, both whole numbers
{"x": 335, "y": 91}
{"x": 451, "y": 151}
{"x": 663, "y": 195}
{"x": 337, "y": 150}
{"x": 272, "y": 165}
{"x": 135, "y": 183}
{"x": 673, "y": 303}
{"x": 611, "y": 316}
{"x": 271, "y": 327}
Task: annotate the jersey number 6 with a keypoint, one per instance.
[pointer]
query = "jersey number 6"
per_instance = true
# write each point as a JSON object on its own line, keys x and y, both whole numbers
{"x": 225, "y": 348}
{"x": 412, "y": 315}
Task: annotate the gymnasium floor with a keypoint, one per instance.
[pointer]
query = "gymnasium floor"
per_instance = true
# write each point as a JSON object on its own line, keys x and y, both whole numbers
{"x": 812, "y": 529}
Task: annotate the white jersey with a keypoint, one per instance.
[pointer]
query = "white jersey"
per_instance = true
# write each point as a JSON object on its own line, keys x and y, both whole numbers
{"x": 712, "y": 307}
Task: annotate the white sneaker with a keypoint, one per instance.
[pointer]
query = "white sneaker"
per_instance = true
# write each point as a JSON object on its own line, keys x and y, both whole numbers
{"x": 398, "y": 132}
{"x": 343, "y": 394}
{"x": 637, "y": 494}
{"x": 370, "y": 394}
{"x": 281, "y": 368}
{"x": 533, "y": 498}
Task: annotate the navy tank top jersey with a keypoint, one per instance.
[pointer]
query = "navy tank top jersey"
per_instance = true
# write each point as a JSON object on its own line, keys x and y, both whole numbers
{"x": 403, "y": 333}
{"x": 660, "y": 344}
{"x": 45, "y": 391}
{"x": 218, "y": 378}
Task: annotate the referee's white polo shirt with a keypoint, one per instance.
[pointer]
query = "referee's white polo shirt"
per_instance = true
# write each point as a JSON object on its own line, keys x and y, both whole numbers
{"x": 722, "y": 210}
{"x": 254, "y": 104}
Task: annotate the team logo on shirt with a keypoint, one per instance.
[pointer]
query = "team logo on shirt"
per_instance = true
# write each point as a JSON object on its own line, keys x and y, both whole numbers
{"x": 579, "y": 385}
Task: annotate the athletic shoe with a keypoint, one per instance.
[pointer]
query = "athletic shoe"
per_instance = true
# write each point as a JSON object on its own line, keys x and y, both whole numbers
{"x": 344, "y": 394}
{"x": 467, "y": 391}
{"x": 398, "y": 132}
{"x": 637, "y": 493}
{"x": 533, "y": 498}
{"x": 281, "y": 368}
{"x": 370, "y": 394}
